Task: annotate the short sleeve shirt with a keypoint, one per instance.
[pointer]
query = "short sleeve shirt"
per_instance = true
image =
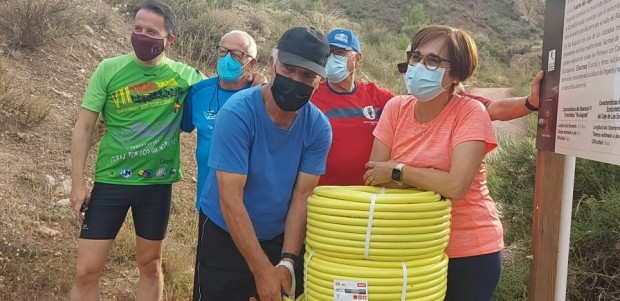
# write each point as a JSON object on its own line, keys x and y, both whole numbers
{"x": 202, "y": 105}
{"x": 142, "y": 109}
{"x": 353, "y": 116}
{"x": 247, "y": 142}
{"x": 476, "y": 228}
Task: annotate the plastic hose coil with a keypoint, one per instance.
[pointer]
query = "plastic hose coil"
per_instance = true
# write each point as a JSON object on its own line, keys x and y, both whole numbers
{"x": 376, "y": 244}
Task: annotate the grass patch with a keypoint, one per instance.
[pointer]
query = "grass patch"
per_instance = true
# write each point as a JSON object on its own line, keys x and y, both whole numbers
{"x": 515, "y": 273}
{"x": 594, "y": 266}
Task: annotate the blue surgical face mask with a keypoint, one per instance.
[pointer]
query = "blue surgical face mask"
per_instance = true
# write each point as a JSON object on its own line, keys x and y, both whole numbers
{"x": 336, "y": 69}
{"x": 422, "y": 83}
{"x": 229, "y": 69}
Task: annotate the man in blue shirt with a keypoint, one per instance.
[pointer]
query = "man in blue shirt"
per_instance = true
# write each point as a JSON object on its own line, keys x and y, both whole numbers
{"x": 237, "y": 53}
{"x": 269, "y": 148}
{"x": 236, "y": 60}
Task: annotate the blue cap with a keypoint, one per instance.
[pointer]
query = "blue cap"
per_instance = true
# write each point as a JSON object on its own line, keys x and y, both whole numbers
{"x": 345, "y": 39}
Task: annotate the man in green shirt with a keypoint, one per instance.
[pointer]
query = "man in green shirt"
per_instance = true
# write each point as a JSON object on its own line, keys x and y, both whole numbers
{"x": 140, "y": 96}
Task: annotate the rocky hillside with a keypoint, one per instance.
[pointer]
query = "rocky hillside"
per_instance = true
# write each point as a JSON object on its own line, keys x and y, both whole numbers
{"x": 515, "y": 24}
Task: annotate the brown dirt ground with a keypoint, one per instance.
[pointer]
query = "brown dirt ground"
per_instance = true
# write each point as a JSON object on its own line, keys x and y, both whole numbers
{"x": 510, "y": 129}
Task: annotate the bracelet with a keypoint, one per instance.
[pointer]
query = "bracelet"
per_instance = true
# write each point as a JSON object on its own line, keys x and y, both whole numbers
{"x": 291, "y": 256}
{"x": 529, "y": 105}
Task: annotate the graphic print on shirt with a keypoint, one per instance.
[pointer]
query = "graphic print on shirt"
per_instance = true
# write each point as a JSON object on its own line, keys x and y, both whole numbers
{"x": 147, "y": 95}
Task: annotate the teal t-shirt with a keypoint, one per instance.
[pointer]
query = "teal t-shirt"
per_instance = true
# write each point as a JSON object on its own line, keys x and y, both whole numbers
{"x": 142, "y": 109}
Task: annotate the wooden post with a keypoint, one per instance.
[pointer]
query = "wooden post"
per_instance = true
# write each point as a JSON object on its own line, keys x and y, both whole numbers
{"x": 550, "y": 190}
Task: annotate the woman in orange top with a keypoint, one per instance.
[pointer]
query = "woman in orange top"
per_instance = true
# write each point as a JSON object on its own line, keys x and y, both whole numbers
{"x": 434, "y": 139}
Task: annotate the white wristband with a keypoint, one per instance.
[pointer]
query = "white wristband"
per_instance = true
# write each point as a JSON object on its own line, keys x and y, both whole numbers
{"x": 291, "y": 269}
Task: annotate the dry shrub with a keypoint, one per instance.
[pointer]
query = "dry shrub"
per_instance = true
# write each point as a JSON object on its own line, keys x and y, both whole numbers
{"x": 32, "y": 109}
{"x": 29, "y": 109}
{"x": 32, "y": 23}
{"x": 7, "y": 83}
{"x": 178, "y": 269}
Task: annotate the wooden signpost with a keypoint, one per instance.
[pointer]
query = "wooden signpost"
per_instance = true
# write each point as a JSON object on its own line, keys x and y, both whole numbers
{"x": 579, "y": 116}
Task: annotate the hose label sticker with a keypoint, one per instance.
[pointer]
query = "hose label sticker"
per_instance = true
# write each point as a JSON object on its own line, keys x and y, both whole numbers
{"x": 347, "y": 290}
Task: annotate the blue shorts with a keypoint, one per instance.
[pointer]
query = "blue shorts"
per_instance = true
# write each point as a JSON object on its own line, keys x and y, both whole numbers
{"x": 108, "y": 205}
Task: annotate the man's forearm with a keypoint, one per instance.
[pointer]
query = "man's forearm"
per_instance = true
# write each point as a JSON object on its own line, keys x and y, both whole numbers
{"x": 243, "y": 234}
{"x": 295, "y": 227}
{"x": 80, "y": 144}
{"x": 508, "y": 108}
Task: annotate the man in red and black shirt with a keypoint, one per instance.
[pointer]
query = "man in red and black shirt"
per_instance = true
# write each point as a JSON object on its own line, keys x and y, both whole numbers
{"x": 353, "y": 108}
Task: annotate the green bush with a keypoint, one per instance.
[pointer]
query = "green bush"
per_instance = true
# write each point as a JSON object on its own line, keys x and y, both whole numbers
{"x": 594, "y": 266}
{"x": 512, "y": 170}
{"x": 416, "y": 19}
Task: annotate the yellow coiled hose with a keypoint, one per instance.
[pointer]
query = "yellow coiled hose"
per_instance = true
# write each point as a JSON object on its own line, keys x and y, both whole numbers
{"x": 391, "y": 240}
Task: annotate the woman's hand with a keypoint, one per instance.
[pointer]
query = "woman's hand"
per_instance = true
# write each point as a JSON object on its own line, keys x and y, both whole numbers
{"x": 379, "y": 173}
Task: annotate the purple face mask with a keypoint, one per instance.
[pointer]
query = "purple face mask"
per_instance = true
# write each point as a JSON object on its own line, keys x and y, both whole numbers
{"x": 146, "y": 48}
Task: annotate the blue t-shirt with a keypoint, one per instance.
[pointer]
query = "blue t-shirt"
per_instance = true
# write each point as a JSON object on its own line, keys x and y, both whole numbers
{"x": 247, "y": 142}
{"x": 202, "y": 104}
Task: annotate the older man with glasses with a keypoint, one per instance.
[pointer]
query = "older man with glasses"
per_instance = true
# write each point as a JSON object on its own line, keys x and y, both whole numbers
{"x": 237, "y": 53}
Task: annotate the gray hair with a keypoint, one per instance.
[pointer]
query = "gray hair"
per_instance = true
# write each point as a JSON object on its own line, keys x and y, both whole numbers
{"x": 252, "y": 48}
{"x": 162, "y": 9}
{"x": 274, "y": 53}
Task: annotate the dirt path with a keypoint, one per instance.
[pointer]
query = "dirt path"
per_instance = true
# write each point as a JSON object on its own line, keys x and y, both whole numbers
{"x": 512, "y": 128}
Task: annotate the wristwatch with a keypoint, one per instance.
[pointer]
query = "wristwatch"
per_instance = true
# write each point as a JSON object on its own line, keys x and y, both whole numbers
{"x": 397, "y": 173}
{"x": 290, "y": 256}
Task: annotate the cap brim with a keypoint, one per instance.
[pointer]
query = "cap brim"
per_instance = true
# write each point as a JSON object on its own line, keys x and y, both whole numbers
{"x": 343, "y": 46}
{"x": 296, "y": 60}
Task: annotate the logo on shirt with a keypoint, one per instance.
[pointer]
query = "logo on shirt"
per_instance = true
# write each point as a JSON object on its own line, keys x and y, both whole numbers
{"x": 126, "y": 173}
{"x": 210, "y": 115}
{"x": 145, "y": 173}
{"x": 146, "y": 92}
{"x": 342, "y": 38}
{"x": 369, "y": 112}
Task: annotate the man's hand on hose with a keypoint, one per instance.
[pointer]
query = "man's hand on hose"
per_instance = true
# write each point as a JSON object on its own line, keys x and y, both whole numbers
{"x": 268, "y": 283}
{"x": 286, "y": 281}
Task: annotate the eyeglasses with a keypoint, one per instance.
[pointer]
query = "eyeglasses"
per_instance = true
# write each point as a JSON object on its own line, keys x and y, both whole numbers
{"x": 342, "y": 52}
{"x": 235, "y": 54}
{"x": 430, "y": 61}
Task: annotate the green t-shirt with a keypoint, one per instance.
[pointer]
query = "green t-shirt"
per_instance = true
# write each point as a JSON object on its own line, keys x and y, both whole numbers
{"x": 142, "y": 109}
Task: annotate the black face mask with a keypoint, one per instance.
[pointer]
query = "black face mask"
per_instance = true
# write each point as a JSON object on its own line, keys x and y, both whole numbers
{"x": 290, "y": 95}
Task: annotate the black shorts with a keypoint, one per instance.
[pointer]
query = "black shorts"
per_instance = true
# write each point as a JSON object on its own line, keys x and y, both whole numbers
{"x": 221, "y": 271}
{"x": 108, "y": 205}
